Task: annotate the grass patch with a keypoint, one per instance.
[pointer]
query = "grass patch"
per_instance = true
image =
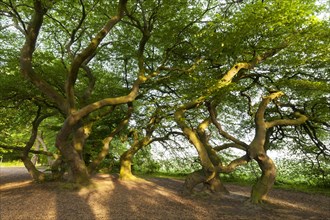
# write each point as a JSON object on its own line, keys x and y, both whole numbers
{"x": 304, "y": 188}
{"x": 321, "y": 190}
{"x": 248, "y": 182}
{"x": 12, "y": 164}
{"x": 180, "y": 176}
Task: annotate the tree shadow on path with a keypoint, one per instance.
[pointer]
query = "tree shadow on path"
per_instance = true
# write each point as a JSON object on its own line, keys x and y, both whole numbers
{"x": 151, "y": 198}
{"x": 21, "y": 198}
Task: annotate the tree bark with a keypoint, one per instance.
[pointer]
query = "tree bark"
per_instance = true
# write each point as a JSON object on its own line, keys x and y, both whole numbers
{"x": 126, "y": 158}
{"x": 210, "y": 178}
{"x": 266, "y": 181}
{"x": 106, "y": 141}
{"x": 35, "y": 157}
{"x": 211, "y": 181}
{"x": 49, "y": 158}
{"x": 35, "y": 174}
{"x": 33, "y": 171}
{"x": 57, "y": 168}
{"x": 193, "y": 180}
{"x": 76, "y": 164}
{"x": 126, "y": 163}
{"x": 257, "y": 149}
{"x": 215, "y": 185}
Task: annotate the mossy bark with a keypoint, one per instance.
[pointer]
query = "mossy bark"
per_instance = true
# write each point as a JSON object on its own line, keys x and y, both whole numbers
{"x": 126, "y": 168}
{"x": 193, "y": 180}
{"x": 77, "y": 166}
{"x": 215, "y": 185}
{"x": 266, "y": 181}
{"x": 126, "y": 161}
{"x": 33, "y": 171}
{"x": 57, "y": 168}
{"x": 211, "y": 181}
{"x": 126, "y": 158}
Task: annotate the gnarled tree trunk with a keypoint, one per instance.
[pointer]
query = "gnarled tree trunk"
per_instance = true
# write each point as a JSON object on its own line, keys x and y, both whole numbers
{"x": 215, "y": 185}
{"x": 127, "y": 157}
{"x": 258, "y": 147}
{"x": 35, "y": 174}
{"x": 126, "y": 165}
{"x": 193, "y": 180}
{"x": 266, "y": 181}
{"x": 106, "y": 141}
{"x": 33, "y": 171}
{"x": 67, "y": 103}
{"x": 76, "y": 164}
{"x": 35, "y": 157}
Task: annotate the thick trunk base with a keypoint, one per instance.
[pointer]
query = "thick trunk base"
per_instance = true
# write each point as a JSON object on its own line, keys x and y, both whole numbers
{"x": 215, "y": 186}
{"x": 126, "y": 169}
{"x": 210, "y": 180}
{"x": 57, "y": 169}
{"x": 79, "y": 173}
{"x": 36, "y": 175}
{"x": 266, "y": 181}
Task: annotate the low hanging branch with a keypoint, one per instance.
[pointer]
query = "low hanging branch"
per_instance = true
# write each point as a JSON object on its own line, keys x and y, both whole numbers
{"x": 89, "y": 50}
{"x": 257, "y": 148}
{"x": 234, "y": 164}
{"x": 127, "y": 157}
{"x": 106, "y": 141}
{"x": 229, "y": 145}
{"x": 21, "y": 149}
{"x": 36, "y": 174}
{"x": 26, "y": 57}
{"x": 223, "y": 133}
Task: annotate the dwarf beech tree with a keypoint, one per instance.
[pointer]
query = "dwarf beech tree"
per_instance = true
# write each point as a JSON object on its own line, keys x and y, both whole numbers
{"x": 89, "y": 63}
{"x": 66, "y": 45}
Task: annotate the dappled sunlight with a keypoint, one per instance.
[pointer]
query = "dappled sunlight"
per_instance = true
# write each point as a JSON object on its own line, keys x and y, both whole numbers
{"x": 152, "y": 198}
{"x": 294, "y": 205}
{"x": 125, "y": 199}
{"x": 24, "y": 200}
{"x": 15, "y": 185}
{"x": 164, "y": 88}
{"x": 282, "y": 202}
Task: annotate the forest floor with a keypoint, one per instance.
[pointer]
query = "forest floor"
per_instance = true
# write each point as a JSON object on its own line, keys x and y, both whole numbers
{"x": 150, "y": 198}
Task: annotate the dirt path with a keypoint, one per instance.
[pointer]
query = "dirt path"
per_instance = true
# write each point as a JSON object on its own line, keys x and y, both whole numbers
{"x": 153, "y": 198}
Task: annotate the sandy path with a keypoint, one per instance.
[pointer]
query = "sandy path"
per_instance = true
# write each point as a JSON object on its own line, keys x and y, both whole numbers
{"x": 153, "y": 198}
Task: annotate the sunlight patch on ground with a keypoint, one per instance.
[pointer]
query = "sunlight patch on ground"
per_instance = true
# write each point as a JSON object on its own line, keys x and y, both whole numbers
{"x": 240, "y": 193}
{"x": 98, "y": 208}
{"x": 298, "y": 206}
{"x": 15, "y": 185}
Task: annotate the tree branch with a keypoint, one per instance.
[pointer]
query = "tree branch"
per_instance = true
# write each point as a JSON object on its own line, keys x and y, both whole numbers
{"x": 16, "y": 148}
{"x": 233, "y": 164}
{"x": 283, "y": 122}
{"x": 229, "y": 145}
{"x": 88, "y": 51}
{"x": 27, "y": 56}
{"x": 224, "y": 134}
